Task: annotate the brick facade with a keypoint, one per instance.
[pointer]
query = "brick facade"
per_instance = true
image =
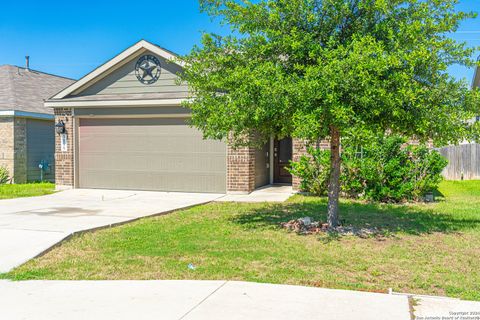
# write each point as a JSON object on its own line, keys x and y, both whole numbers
{"x": 240, "y": 169}
{"x": 6, "y": 144}
{"x": 13, "y": 147}
{"x": 20, "y": 150}
{"x": 64, "y": 160}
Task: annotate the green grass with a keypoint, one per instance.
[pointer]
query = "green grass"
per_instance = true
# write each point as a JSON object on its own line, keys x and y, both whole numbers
{"x": 9, "y": 191}
{"x": 428, "y": 248}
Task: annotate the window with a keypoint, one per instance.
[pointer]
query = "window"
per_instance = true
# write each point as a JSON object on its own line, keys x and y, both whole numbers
{"x": 359, "y": 152}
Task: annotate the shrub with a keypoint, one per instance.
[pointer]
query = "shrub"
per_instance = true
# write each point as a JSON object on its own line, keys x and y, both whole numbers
{"x": 385, "y": 170}
{"x": 4, "y": 175}
{"x": 313, "y": 171}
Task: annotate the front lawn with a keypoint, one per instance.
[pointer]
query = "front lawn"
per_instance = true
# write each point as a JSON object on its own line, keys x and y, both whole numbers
{"x": 8, "y": 191}
{"x": 427, "y": 248}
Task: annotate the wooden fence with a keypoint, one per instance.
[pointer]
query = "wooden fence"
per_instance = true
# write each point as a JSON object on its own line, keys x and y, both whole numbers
{"x": 463, "y": 161}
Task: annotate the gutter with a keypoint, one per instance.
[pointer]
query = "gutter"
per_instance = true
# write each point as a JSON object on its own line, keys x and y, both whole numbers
{"x": 114, "y": 103}
{"x": 25, "y": 114}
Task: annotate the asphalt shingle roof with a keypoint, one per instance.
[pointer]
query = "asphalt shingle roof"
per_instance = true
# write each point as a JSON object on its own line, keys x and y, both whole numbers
{"x": 25, "y": 90}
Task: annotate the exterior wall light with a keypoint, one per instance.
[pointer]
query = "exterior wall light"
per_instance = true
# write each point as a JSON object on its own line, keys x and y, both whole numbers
{"x": 60, "y": 127}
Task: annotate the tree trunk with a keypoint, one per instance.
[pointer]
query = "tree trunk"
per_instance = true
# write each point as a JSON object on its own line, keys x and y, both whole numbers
{"x": 334, "y": 181}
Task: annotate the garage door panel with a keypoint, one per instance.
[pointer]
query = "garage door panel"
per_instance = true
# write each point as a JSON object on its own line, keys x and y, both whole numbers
{"x": 165, "y": 181}
{"x": 155, "y": 162}
{"x": 149, "y": 154}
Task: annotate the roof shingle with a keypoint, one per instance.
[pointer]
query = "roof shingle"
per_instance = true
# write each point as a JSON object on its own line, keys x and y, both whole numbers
{"x": 25, "y": 90}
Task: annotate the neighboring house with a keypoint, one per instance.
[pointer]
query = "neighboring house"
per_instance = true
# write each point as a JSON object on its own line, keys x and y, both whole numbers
{"x": 125, "y": 128}
{"x": 26, "y": 126}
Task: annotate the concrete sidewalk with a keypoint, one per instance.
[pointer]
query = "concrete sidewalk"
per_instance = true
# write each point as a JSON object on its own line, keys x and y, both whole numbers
{"x": 429, "y": 307}
{"x": 29, "y": 226}
{"x": 212, "y": 300}
{"x": 270, "y": 193}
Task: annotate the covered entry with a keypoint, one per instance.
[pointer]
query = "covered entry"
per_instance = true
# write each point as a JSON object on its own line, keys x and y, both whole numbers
{"x": 162, "y": 154}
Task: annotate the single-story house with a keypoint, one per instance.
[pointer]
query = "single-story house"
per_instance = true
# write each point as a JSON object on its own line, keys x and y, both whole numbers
{"x": 122, "y": 126}
{"x": 26, "y": 126}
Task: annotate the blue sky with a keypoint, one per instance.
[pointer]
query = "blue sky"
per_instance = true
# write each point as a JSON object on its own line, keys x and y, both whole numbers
{"x": 71, "y": 38}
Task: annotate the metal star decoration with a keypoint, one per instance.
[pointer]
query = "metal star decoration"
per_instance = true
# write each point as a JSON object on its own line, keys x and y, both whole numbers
{"x": 148, "y": 69}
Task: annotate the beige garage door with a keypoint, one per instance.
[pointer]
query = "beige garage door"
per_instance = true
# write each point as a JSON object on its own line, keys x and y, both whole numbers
{"x": 149, "y": 154}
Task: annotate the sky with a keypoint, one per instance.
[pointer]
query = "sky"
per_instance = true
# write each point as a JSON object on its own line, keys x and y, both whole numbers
{"x": 71, "y": 38}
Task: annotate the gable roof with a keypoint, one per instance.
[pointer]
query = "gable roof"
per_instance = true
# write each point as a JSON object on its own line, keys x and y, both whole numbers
{"x": 112, "y": 65}
{"x": 25, "y": 90}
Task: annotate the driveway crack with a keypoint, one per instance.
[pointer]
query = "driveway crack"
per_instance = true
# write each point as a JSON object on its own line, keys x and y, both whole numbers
{"x": 203, "y": 300}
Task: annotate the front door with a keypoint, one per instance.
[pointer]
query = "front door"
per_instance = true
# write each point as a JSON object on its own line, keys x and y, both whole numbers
{"x": 282, "y": 155}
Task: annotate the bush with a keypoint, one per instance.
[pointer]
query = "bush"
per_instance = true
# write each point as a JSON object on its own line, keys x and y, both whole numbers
{"x": 4, "y": 175}
{"x": 383, "y": 170}
{"x": 313, "y": 170}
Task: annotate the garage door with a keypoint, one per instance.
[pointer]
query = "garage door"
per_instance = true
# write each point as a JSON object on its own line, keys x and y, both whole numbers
{"x": 149, "y": 154}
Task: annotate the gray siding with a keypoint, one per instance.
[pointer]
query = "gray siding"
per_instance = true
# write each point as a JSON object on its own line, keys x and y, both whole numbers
{"x": 161, "y": 154}
{"x": 262, "y": 173}
{"x": 40, "y": 146}
{"x": 124, "y": 81}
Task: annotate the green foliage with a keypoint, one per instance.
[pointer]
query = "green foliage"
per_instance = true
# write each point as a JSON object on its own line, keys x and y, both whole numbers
{"x": 4, "y": 175}
{"x": 389, "y": 171}
{"x": 10, "y": 191}
{"x": 302, "y": 67}
{"x": 383, "y": 170}
{"x": 315, "y": 69}
{"x": 313, "y": 170}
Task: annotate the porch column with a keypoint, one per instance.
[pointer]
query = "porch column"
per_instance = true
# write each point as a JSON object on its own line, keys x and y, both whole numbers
{"x": 240, "y": 170}
{"x": 64, "y": 159}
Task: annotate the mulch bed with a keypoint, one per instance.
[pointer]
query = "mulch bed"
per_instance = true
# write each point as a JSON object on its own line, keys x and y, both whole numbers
{"x": 306, "y": 226}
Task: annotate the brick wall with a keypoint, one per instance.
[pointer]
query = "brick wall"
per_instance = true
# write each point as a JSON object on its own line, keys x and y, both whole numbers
{"x": 240, "y": 169}
{"x": 20, "y": 150}
{"x": 13, "y": 147}
{"x": 6, "y": 144}
{"x": 64, "y": 159}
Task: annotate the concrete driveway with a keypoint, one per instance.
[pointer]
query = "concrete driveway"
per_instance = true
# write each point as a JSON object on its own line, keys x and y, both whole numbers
{"x": 29, "y": 226}
{"x": 189, "y": 300}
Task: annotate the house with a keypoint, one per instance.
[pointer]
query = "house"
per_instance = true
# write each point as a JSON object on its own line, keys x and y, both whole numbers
{"x": 122, "y": 126}
{"x": 26, "y": 126}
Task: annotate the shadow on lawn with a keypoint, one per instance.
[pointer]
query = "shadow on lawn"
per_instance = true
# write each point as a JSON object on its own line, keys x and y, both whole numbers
{"x": 389, "y": 219}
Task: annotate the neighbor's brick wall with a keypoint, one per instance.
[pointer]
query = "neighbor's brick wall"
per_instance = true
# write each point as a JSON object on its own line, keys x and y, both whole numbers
{"x": 13, "y": 147}
{"x": 64, "y": 160}
{"x": 20, "y": 150}
{"x": 240, "y": 169}
{"x": 6, "y": 144}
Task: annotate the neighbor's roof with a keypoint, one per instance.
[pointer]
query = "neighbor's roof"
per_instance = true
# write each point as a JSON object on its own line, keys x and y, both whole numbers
{"x": 25, "y": 90}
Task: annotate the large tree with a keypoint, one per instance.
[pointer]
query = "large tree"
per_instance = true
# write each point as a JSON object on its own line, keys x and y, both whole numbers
{"x": 323, "y": 69}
